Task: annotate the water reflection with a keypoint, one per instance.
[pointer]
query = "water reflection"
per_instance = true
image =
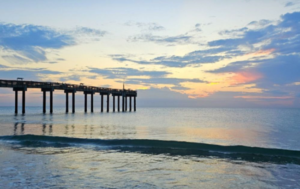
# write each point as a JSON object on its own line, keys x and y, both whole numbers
{"x": 22, "y": 128}
{"x": 151, "y": 147}
{"x": 214, "y": 126}
{"x": 74, "y": 131}
{"x": 222, "y": 135}
{"x": 44, "y": 130}
{"x": 112, "y": 131}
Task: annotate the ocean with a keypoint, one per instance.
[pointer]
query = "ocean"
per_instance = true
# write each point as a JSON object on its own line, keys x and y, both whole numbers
{"x": 150, "y": 148}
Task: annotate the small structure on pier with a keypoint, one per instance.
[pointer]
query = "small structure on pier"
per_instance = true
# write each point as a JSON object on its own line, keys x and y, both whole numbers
{"x": 20, "y": 85}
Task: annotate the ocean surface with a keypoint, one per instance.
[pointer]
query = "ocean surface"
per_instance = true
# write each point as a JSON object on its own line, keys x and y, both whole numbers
{"x": 150, "y": 148}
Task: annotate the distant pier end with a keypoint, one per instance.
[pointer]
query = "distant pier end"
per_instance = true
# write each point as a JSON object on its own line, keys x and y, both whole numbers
{"x": 20, "y": 85}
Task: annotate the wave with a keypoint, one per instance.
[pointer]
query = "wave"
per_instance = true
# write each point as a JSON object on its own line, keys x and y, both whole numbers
{"x": 149, "y": 146}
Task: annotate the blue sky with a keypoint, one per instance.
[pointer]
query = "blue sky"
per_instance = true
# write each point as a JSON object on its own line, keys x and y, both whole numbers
{"x": 175, "y": 53}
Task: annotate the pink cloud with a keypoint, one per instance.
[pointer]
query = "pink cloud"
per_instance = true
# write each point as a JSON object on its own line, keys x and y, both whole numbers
{"x": 244, "y": 77}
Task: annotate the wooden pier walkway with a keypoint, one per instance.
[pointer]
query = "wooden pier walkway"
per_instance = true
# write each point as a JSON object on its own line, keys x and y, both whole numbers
{"x": 20, "y": 85}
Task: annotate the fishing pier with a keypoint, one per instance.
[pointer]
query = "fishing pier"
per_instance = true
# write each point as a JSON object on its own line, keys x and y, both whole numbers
{"x": 21, "y": 86}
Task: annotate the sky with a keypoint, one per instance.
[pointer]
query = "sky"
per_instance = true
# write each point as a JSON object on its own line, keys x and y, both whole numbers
{"x": 204, "y": 53}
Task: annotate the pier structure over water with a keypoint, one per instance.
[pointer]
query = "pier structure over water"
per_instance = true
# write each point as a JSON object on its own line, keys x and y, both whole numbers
{"x": 20, "y": 85}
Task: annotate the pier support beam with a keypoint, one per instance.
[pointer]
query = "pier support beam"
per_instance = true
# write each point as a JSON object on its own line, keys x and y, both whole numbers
{"x": 44, "y": 90}
{"x": 92, "y": 102}
{"x": 73, "y": 102}
{"x": 67, "y": 102}
{"x": 107, "y": 108}
{"x": 113, "y": 103}
{"x": 23, "y": 102}
{"x": 135, "y": 103}
{"x": 51, "y": 101}
{"x": 16, "y": 102}
{"x": 101, "y": 102}
{"x": 130, "y": 103}
{"x": 126, "y": 104}
{"x": 85, "y": 100}
{"x": 67, "y": 91}
{"x": 44, "y": 102}
{"x": 17, "y": 89}
{"x": 123, "y": 103}
{"x": 118, "y": 103}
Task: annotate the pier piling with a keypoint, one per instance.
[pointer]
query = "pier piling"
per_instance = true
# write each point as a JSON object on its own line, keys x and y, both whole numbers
{"x": 85, "y": 100}
{"x": 101, "y": 102}
{"x": 17, "y": 89}
{"x": 123, "y": 104}
{"x": 73, "y": 101}
{"x": 118, "y": 103}
{"x": 107, "y": 108}
{"x": 45, "y": 90}
{"x": 23, "y": 102}
{"x": 44, "y": 101}
{"x": 130, "y": 103}
{"x": 51, "y": 101}
{"x": 16, "y": 102}
{"x": 134, "y": 103}
{"x": 113, "y": 103}
{"x": 92, "y": 102}
{"x": 67, "y": 102}
{"x": 85, "y": 103}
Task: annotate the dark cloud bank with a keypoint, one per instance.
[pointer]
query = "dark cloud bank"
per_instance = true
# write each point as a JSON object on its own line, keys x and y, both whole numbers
{"x": 30, "y": 42}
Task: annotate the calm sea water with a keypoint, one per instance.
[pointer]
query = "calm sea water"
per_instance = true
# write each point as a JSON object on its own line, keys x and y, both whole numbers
{"x": 151, "y": 148}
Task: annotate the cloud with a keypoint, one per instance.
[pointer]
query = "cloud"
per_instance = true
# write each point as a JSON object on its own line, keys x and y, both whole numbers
{"x": 288, "y": 4}
{"x": 283, "y": 37}
{"x": 273, "y": 74}
{"x": 260, "y": 23}
{"x": 282, "y": 69}
{"x": 32, "y": 41}
{"x": 86, "y": 35}
{"x": 89, "y": 31}
{"x": 181, "y": 39}
{"x": 15, "y": 59}
{"x": 72, "y": 77}
{"x": 2, "y": 66}
{"x": 30, "y": 74}
{"x": 179, "y": 87}
{"x": 146, "y": 26}
{"x": 193, "y": 58}
{"x": 167, "y": 40}
{"x": 274, "y": 66}
{"x": 283, "y": 42}
{"x": 197, "y": 28}
{"x": 130, "y": 75}
{"x": 121, "y": 73}
{"x": 156, "y": 97}
{"x": 162, "y": 80}
{"x": 234, "y": 66}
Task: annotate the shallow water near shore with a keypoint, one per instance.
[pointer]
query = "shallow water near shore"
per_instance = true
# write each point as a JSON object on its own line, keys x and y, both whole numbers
{"x": 151, "y": 148}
